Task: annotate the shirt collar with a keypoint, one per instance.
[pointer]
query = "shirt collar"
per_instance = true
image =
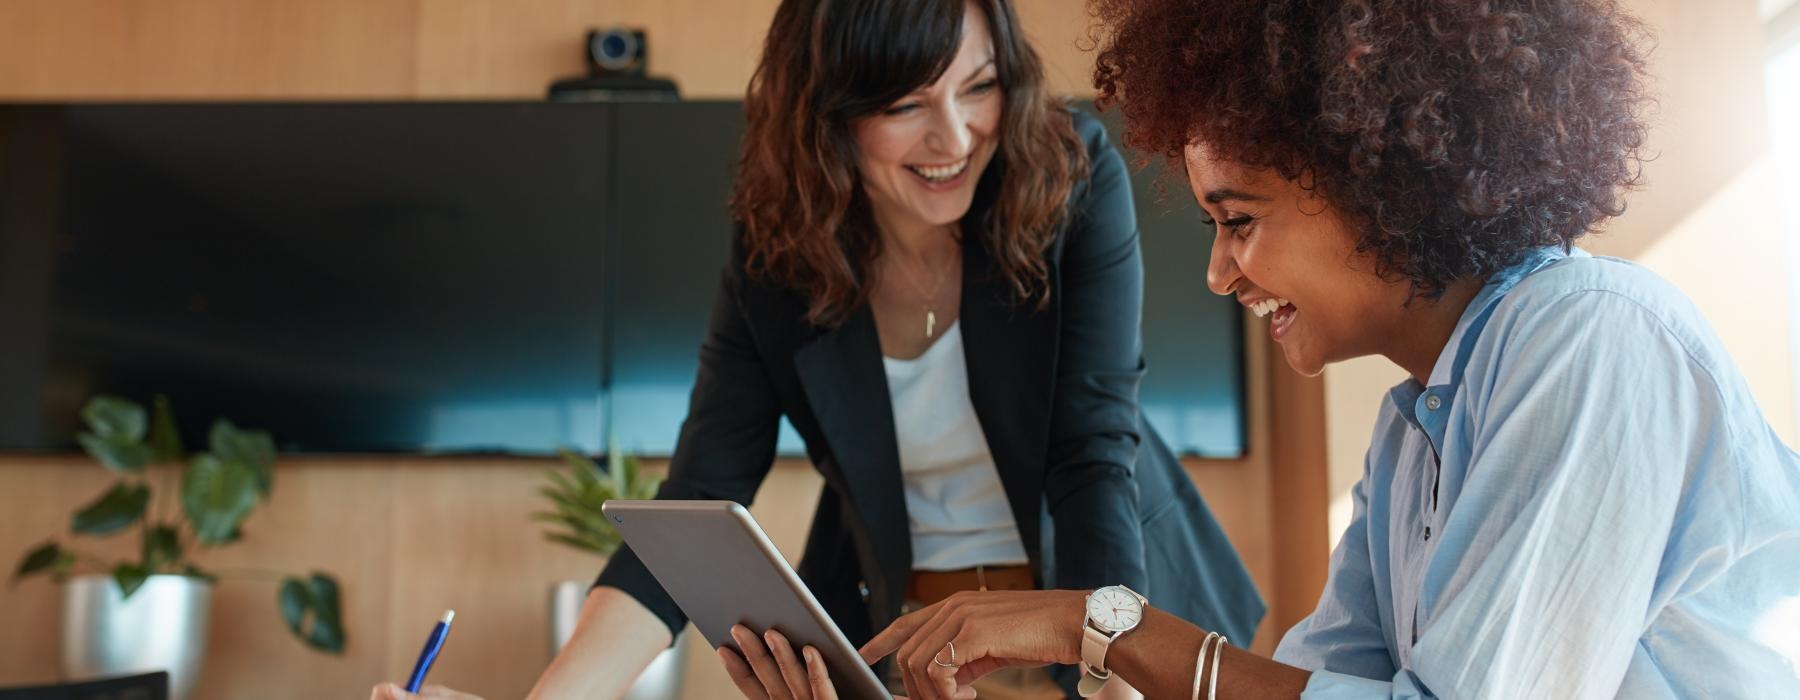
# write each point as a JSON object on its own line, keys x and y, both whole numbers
{"x": 1445, "y": 375}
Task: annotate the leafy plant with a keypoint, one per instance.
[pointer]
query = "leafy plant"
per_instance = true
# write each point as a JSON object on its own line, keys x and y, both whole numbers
{"x": 218, "y": 489}
{"x": 575, "y": 498}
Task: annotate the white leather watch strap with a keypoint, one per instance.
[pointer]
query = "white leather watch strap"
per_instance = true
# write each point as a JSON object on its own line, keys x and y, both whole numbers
{"x": 1094, "y": 673}
{"x": 1093, "y": 649}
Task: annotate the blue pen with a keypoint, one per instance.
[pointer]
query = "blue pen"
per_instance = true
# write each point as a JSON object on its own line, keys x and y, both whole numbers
{"x": 432, "y": 646}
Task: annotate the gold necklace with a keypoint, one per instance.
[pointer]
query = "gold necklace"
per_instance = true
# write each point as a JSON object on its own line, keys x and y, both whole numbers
{"x": 930, "y": 299}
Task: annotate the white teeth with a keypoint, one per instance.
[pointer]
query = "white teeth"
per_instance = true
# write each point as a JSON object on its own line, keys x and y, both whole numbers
{"x": 940, "y": 173}
{"x": 1267, "y": 306}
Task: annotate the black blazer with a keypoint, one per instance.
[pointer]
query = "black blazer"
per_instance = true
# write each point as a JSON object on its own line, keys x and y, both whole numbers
{"x": 1055, "y": 391}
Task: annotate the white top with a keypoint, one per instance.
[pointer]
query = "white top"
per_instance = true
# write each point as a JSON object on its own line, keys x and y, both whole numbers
{"x": 959, "y": 513}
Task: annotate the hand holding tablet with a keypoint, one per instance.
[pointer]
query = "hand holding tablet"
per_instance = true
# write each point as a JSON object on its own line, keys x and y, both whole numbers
{"x": 724, "y": 572}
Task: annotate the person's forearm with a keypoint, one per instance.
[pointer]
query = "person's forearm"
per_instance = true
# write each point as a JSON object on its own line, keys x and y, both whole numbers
{"x": 1157, "y": 658}
{"x": 1099, "y": 539}
{"x": 615, "y": 640}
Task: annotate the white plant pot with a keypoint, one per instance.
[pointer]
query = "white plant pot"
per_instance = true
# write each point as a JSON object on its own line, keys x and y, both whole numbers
{"x": 162, "y": 627}
{"x": 661, "y": 681}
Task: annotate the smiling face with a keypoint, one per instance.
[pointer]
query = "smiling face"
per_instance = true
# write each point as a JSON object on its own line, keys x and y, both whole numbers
{"x": 1287, "y": 256}
{"x": 921, "y": 157}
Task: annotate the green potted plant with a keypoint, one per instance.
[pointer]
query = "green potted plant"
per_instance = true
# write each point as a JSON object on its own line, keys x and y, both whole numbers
{"x": 151, "y": 609}
{"x": 575, "y": 495}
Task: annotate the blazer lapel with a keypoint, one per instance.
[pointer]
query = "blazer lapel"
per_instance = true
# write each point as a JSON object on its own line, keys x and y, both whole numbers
{"x": 1010, "y": 350}
{"x": 846, "y": 386}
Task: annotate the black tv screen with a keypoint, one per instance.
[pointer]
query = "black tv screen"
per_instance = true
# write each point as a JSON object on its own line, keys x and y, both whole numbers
{"x": 356, "y": 278}
{"x": 429, "y": 277}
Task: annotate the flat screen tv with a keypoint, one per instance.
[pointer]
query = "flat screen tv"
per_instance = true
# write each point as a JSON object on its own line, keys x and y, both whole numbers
{"x": 463, "y": 278}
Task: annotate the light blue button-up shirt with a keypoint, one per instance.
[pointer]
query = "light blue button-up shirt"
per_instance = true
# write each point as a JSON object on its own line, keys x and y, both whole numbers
{"x": 1585, "y": 502}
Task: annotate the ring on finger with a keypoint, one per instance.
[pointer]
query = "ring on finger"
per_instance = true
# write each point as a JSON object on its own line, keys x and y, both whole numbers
{"x": 952, "y": 647}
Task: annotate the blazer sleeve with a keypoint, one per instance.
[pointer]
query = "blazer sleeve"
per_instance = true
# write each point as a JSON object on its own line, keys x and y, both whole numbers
{"x": 727, "y": 443}
{"x": 1091, "y": 495}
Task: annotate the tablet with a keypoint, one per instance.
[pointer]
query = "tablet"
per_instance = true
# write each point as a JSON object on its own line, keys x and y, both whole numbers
{"x": 722, "y": 570}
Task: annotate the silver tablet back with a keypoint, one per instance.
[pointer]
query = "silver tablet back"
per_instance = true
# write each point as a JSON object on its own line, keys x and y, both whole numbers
{"x": 722, "y": 570}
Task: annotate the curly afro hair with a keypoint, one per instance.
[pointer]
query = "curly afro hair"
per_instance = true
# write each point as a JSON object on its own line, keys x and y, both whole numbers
{"x": 1454, "y": 135}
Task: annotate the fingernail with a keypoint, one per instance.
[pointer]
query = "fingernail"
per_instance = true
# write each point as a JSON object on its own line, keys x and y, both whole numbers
{"x": 812, "y": 655}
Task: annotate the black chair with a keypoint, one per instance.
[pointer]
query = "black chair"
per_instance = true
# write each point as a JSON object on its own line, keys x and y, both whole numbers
{"x": 150, "y": 686}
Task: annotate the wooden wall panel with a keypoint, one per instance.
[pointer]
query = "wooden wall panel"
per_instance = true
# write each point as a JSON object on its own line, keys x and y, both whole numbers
{"x": 206, "y": 49}
{"x": 1299, "y": 488}
{"x": 37, "y": 498}
{"x": 489, "y": 50}
{"x": 400, "y": 49}
{"x": 1058, "y": 29}
{"x": 337, "y": 517}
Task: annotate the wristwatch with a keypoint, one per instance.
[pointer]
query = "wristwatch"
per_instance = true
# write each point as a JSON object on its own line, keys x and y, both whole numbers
{"x": 1111, "y": 612}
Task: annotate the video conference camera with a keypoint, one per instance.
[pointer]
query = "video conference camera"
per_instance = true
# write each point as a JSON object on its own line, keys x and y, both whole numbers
{"x": 618, "y": 61}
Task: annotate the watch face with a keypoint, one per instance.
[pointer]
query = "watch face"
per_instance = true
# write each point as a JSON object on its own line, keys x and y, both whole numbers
{"x": 1114, "y": 609}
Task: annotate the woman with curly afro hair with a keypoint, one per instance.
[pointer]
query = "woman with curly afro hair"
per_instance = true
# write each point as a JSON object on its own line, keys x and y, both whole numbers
{"x": 1573, "y": 495}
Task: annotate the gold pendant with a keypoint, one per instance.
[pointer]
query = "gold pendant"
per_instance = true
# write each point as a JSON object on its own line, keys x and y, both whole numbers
{"x": 930, "y": 322}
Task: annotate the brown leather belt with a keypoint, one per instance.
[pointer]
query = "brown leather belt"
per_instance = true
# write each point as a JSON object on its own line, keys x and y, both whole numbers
{"x": 927, "y": 587}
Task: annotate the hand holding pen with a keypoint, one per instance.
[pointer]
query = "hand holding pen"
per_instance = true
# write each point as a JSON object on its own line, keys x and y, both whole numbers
{"x": 415, "y": 687}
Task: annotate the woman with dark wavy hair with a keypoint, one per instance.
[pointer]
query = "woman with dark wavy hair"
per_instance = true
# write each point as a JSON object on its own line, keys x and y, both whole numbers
{"x": 937, "y": 281}
{"x": 1573, "y": 495}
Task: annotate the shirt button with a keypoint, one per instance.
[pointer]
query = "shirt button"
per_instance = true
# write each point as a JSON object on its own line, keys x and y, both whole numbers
{"x": 1433, "y": 402}
{"x": 1428, "y": 533}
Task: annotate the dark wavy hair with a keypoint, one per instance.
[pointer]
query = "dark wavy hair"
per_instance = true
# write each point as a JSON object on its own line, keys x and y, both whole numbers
{"x": 1452, "y": 135}
{"x": 798, "y": 197}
